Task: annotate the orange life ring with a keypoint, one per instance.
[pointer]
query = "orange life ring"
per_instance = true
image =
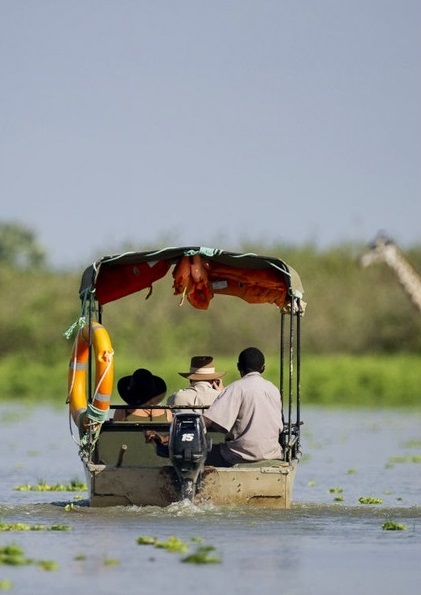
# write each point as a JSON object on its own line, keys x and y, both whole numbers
{"x": 81, "y": 411}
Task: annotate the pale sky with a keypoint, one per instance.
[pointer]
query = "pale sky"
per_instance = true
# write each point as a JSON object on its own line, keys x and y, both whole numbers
{"x": 209, "y": 122}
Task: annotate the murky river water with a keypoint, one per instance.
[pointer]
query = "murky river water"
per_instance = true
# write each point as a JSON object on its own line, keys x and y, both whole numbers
{"x": 327, "y": 544}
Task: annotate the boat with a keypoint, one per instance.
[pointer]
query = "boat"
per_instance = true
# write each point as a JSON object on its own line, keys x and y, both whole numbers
{"x": 121, "y": 467}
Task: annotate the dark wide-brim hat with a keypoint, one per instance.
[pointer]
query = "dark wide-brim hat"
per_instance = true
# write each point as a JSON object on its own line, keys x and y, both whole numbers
{"x": 140, "y": 387}
{"x": 202, "y": 368}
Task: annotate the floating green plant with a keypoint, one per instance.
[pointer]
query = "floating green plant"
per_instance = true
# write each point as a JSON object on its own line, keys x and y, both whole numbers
{"x": 405, "y": 459}
{"x": 11, "y": 550}
{"x": 5, "y": 585}
{"x": 47, "y": 565}
{"x": 146, "y": 540}
{"x": 80, "y": 557}
{"x": 202, "y": 555}
{"x": 370, "y": 500}
{"x": 335, "y": 490}
{"x": 26, "y": 527}
{"x": 42, "y": 486}
{"x": 14, "y": 560}
{"x": 173, "y": 544}
{"x": 412, "y": 444}
{"x": 69, "y": 507}
{"x": 351, "y": 471}
{"x": 311, "y": 483}
{"x": 13, "y": 555}
{"x": 392, "y": 526}
{"x": 76, "y": 486}
{"x": 339, "y": 498}
{"x": 111, "y": 562}
{"x": 21, "y": 527}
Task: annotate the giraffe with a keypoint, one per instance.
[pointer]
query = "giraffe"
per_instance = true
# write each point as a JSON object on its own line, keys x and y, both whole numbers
{"x": 384, "y": 249}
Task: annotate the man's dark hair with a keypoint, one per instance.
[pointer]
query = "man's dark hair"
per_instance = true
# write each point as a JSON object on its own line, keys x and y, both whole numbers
{"x": 251, "y": 360}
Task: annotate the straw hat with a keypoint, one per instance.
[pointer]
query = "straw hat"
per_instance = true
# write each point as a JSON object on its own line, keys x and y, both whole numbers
{"x": 202, "y": 368}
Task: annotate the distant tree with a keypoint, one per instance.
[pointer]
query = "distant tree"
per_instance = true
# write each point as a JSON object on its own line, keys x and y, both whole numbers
{"x": 19, "y": 247}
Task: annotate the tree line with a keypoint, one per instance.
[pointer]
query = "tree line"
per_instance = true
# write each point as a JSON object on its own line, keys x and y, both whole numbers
{"x": 350, "y": 310}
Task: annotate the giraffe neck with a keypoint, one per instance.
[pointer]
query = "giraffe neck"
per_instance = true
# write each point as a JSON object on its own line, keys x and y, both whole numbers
{"x": 405, "y": 272}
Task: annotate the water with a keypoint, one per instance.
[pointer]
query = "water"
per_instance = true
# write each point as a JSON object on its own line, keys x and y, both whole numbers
{"x": 321, "y": 546}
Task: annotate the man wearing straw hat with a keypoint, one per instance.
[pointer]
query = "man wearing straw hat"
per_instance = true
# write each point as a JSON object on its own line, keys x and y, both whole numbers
{"x": 205, "y": 385}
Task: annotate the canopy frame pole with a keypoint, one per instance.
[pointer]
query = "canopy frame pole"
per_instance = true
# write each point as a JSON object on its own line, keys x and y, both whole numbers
{"x": 298, "y": 386}
{"x": 290, "y": 376}
{"x": 290, "y": 381}
{"x": 282, "y": 362}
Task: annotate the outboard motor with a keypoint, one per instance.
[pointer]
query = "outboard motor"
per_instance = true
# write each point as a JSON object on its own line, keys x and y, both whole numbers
{"x": 188, "y": 446}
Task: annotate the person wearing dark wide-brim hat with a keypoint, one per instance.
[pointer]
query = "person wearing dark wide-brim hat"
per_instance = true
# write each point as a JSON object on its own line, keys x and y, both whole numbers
{"x": 205, "y": 384}
{"x": 140, "y": 390}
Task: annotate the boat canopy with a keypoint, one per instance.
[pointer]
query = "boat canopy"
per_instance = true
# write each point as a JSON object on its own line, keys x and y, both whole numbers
{"x": 199, "y": 274}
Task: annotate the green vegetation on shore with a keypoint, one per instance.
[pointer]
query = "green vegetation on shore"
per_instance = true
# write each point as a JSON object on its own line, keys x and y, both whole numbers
{"x": 330, "y": 380}
{"x": 361, "y": 340}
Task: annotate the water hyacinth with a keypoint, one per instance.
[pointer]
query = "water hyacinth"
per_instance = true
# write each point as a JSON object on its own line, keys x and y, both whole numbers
{"x": 42, "y": 486}
{"x": 369, "y": 500}
{"x": 111, "y": 562}
{"x": 27, "y": 527}
{"x": 173, "y": 544}
{"x": 13, "y": 555}
{"x": 146, "y": 540}
{"x": 47, "y": 565}
{"x": 405, "y": 459}
{"x": 202, "y": 555}
{"x": 392, "y": 526}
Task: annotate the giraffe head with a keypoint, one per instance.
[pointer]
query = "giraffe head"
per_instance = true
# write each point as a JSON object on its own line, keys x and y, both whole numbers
{"x": 377, "y": 249}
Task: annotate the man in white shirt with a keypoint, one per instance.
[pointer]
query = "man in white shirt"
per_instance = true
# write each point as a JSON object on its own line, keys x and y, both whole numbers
{"x": 205, "y": 385}
{"x": 249, "y": 411}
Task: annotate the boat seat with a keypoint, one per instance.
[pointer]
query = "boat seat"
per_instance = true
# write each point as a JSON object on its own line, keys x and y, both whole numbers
{"x": 123, "y": 444}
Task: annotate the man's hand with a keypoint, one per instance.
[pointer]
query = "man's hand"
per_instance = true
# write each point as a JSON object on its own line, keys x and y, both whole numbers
{"x": 217, "y": 384}
{"x": 152, "y": 436}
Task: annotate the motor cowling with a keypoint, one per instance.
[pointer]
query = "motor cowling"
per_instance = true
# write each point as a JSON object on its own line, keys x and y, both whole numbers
{"x": 188, "y": 447}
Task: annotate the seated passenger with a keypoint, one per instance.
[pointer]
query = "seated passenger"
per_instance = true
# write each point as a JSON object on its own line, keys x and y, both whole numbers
{"x": 205, "y": 384}
{"x": 249, "y": 411}
{"x": 139, "y": 390}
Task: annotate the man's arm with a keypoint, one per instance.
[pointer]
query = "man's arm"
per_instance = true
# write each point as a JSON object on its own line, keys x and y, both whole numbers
{"x": 212, "y": 425}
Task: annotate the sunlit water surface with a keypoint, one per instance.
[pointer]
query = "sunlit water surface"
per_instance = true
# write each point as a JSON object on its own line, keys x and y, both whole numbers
{"x": 321, "y": 546}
